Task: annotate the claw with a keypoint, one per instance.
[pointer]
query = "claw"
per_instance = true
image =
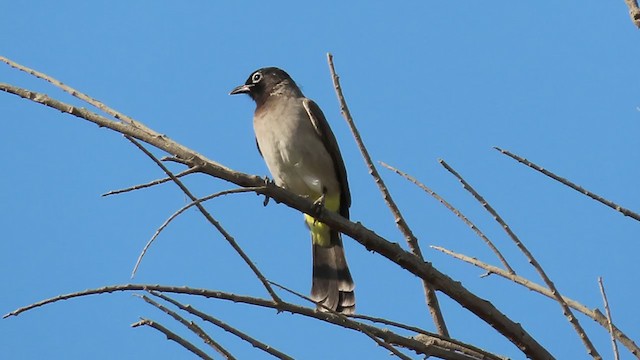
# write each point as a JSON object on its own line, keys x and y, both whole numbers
{"x": 318, "y": 205}
{"x": 267, "y": 182}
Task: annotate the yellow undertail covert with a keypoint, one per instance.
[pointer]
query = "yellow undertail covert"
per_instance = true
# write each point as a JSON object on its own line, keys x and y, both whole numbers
{"x": 321, "y": 232}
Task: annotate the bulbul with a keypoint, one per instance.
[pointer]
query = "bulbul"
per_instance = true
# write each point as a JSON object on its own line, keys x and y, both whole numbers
{"x": 302, "y": 155}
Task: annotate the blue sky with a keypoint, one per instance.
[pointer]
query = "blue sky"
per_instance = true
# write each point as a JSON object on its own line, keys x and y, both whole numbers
{"x": 553, "y": 82}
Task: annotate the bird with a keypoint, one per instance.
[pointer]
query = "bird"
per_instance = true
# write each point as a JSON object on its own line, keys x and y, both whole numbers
{"x": 302, "y": 155}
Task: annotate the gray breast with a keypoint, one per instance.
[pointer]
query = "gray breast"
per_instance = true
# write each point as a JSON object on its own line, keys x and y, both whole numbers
{"x": 293, "y": 151}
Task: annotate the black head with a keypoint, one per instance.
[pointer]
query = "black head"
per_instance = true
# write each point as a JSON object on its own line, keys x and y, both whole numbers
{"x": 265, "y": 82}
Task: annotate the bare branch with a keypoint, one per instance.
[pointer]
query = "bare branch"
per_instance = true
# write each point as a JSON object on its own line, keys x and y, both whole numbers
{"x": 616, "y": 355}
{"x": 428, "y": 337}
{"x": 382, "y": 343}
{"x": 389, "y": 347}
{"x": 139, "y": 131}
{"x": 68, "y": 89}
{"x": 209, "y": 218}
{"x": 282, "y": 306}
{"x": 305, "y": 298}
{"x": 556, "y": 294}
{"x": 634, "y": 12}
{"x": 369, "y": 239}
{"x": 412, "y": 241}
{"x": 173, "y": 336}
{"x": 595, "y": 314}
{"x": 578, "y": 188}
{"x": 180, "y": 211}
{"x": 151, "y": 183}
{"x": 456, "y": 212}
{"x": 191, "y": 326}
{"x": 230, "y": 329}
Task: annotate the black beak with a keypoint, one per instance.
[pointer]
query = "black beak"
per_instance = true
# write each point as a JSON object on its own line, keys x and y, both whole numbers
{"x": 242, "y": 89}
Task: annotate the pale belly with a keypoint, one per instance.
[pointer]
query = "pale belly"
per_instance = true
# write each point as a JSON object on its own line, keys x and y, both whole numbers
{"x": 295, "y": 155}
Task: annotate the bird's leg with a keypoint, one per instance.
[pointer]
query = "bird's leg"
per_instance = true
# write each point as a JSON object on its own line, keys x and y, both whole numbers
{"x": 319, "y": 204}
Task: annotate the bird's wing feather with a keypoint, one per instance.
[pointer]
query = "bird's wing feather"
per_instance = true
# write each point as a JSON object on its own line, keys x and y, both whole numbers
{"x": 258, "y": 146}
{"x": 323, "y": 130}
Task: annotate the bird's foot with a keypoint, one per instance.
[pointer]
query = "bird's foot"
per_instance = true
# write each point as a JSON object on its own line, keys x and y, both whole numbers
{"x": 267, "y": 182}
{"x": 318, "y": 206}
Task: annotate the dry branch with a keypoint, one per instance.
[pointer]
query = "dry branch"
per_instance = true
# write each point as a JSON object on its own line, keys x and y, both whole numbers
{"x": 456, "y": 212}
{"x": 595, "y": 314}
{"x": 419, "y": 347}
{"x": 149, "y": 184}
{"x": 193, "y": 327}
{"x": 370, "y": 240}
{"x": 412, "y": 241}
{"x": 578, "y": 188}
{"x": 173, "y": 336}
{"x": 482, "y": 308}
{"x": 591, "y": 350}
{"x": 209, "y": 218}
{"x": 230, "y": 329}
{"x": 616, "y": 355}
{"x": 177, "y": 213}
{"x": 634, "y": 12}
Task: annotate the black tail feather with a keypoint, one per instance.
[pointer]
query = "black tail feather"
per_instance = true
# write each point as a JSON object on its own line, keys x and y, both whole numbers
{"x": 332, "y": 283}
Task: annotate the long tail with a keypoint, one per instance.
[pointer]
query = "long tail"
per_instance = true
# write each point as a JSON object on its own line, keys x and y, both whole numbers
{"x": 332, "y": 283}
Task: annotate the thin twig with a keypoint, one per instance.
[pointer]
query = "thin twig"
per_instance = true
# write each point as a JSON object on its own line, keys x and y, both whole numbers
{"x": 306, "y": 298}
{"x": 191, "y": 326}
{"x": 173, "y": 336}
{"x": 591, "y": 350}
{"x": 384, "y": 321}
{"x": 578, "y": 188}
{"x": 482, "y": 308}
{"x": 386, "y": 345}
{"x": 68, "y": 89}
{"x": 634, "y": 12}
{"x": 412, "y": 241}
{"x": 616, "y": 354}
{"x": 209, "y": 218}
{"x": 456, "y": 212}
{"x": 180, "y": 211}
{"x": 230, "y": 329}
{"x": 151, "y": 183}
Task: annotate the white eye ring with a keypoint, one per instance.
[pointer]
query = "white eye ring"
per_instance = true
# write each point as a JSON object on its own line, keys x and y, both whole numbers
{"x": 256, "y": 77}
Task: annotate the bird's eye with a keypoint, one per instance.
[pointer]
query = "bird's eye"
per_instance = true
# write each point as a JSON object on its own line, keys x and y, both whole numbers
{"x": 256, "y": 77}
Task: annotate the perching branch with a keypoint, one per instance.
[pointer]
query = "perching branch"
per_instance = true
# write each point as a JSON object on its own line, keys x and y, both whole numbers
{"x": 370, "y": 240}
